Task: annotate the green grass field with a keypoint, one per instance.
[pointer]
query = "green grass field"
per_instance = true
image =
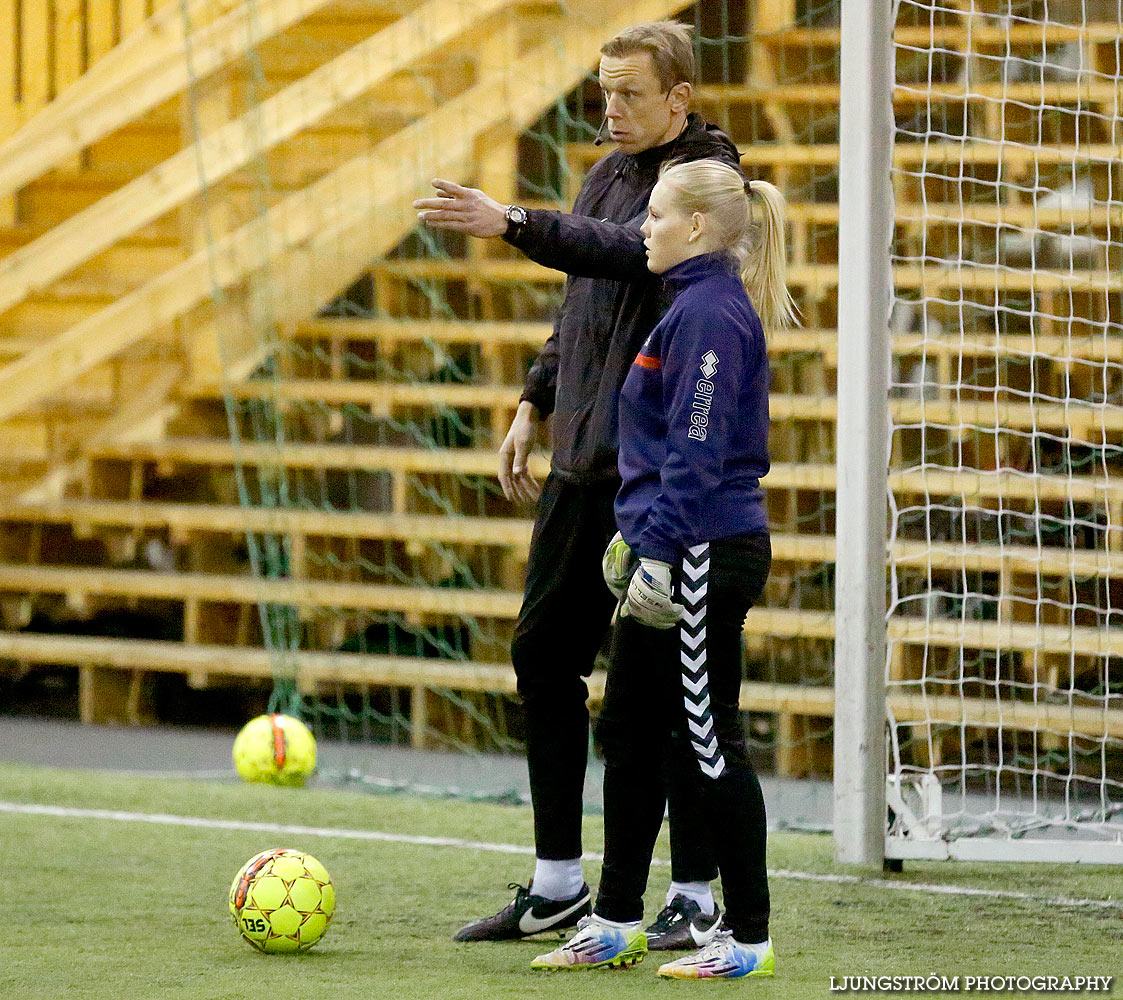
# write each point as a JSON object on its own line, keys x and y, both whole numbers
{"x": 124, "y": 910}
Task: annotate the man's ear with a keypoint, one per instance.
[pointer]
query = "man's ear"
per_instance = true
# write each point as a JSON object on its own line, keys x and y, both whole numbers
{"x": 679, "y": 97}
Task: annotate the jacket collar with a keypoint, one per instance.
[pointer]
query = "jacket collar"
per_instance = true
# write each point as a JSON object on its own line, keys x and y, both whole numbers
{"x": 697, "y": 268}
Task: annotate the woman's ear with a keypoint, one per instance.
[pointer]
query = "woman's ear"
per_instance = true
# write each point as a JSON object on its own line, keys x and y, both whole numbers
{"x": 697, "y": 227}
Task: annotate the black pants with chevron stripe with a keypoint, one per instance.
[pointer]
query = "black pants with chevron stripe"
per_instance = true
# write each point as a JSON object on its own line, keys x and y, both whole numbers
{"x": 562, "y": 625}
{"x": 670, "y": 717}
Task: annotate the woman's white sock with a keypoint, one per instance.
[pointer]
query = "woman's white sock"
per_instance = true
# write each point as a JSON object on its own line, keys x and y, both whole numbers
{"x": 700, "y": 892}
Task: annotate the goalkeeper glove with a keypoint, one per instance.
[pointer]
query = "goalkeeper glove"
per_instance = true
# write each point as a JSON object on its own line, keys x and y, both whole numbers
{"x": 650, "y": 599}
{"x": 617, "y": 565}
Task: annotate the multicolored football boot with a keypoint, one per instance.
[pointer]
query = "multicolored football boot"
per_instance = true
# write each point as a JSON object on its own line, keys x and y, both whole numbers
{"x": 724, "y": 958}
{"x": 598, "y": 944}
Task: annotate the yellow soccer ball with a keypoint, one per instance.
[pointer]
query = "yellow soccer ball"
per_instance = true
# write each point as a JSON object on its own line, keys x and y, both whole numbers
{"x": 275, "y": 748}
{"x": 282, "y": 901}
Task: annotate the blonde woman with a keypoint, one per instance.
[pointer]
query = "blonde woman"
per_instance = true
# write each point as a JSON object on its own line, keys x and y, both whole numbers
{"x": 690, "y": 559}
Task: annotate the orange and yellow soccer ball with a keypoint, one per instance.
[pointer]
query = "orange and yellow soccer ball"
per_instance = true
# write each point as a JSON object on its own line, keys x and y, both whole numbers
{"x": 277, "y": 749}
{"x": 282, "y": 901}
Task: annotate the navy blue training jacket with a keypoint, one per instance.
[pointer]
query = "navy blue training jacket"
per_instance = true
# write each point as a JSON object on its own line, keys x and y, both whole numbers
{"x": 694, "y": 418}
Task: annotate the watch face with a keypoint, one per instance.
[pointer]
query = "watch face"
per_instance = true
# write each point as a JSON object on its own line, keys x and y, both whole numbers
{"x": 516, "y": 215}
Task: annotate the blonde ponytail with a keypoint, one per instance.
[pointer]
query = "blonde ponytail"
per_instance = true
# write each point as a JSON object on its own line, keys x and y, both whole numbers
{"x": 764, "y": 262}
{"x": 719, "y": 191}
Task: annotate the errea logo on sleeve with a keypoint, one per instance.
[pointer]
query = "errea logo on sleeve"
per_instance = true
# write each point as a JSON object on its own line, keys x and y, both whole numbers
{"x": 703, "y": 398}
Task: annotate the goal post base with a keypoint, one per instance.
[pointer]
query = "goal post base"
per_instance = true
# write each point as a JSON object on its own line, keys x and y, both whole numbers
{"x": 989, "y": 849}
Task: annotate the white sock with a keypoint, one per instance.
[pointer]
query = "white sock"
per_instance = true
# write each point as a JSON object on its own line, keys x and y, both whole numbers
{"x": 624, "y": 925}
{"x": 757, "y": 949}
{"x": 700, "y": 892}
{"x": 557, "y": 879}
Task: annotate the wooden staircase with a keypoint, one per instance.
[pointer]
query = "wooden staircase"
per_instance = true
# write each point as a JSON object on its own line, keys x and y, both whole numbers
{"x": 109, "y": 282}
{"x": 142, "y": 235}
{"x": 131, "y": 296}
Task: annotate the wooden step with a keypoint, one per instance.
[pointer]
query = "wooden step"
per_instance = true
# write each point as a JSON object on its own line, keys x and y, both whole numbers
{"x": 312, "y": 42}
{"x": 141, "y": 147}
{"x": 957, "y": 408}
{"x": 395, "y": 331}
{"x": 1093, "y": 345}
{"x": 310, "y": 670}
{"x": 59, "y": 195}
{"x": 414, "y": 92}
{"x": 1092, "y": 93}
{"x": 120, "y": 269}
{"x": 776, "y": 623}
{"x": 216, "y": 588}
{"x": 124, "y": 267}
{"x": 936, "y": 216}
{"x": 905, "y": 154}
{"x": 25, "y": 441}
{"x": 155, "y": 236}
{"x": 43, "y": 316}
{"x": 183, "y": 521}
{"x": 932, "y": 482}
{"x": 933, "y": 277}
{"x": 379, "y": 396}
{"x": 974, "y": 34}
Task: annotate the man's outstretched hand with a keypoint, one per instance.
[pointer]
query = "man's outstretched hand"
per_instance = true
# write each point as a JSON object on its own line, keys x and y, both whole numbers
{"x": 466, "y": 210}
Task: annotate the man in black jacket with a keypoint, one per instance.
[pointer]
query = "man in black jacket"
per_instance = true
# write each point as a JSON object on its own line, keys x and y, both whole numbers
{"x": 612, "y": 302}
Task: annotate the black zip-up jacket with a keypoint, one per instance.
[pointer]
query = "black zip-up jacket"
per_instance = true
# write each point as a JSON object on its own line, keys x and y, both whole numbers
{"x": 612, "y": 301}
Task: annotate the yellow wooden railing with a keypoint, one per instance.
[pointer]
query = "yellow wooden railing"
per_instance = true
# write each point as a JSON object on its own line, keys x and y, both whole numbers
{"x": 48, "y": 44}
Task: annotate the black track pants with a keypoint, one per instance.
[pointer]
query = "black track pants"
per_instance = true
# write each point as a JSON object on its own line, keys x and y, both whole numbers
{"x": 670, "y": 719}
{"x": 563, "y": 621}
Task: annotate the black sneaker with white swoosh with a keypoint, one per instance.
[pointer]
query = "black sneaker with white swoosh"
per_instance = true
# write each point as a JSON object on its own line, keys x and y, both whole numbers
{"x": 528, "y": 914}
{"x": 681, "y": 924}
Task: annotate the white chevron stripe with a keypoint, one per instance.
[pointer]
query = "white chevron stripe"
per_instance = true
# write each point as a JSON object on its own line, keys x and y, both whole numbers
{"x": 694, "y": 670}
{"x": 693, "y": 641}
{"x": 707, "y": 749}
{"x": 692, "y": 619}
{"x": 694, "y": 596}
{"x": 695, "y": 687}
{"x": 695, "y": 568}
{"x": 715, "y": 770}
{"x": 692, "y": 662}
{"x": 701, "y": 730}
{"x": 698, "y": 709}
{"x": 695, "y": 571}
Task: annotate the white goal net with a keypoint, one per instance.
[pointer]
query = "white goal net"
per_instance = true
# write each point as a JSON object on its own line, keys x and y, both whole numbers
{"x": 1005, "y": 623}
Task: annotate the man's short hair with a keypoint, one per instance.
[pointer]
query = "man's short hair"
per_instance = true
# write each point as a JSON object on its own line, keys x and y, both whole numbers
{"x": 670, "y": 45}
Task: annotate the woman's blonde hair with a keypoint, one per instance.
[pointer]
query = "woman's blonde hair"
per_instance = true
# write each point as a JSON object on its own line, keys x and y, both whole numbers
{"x": 719, "y": 191}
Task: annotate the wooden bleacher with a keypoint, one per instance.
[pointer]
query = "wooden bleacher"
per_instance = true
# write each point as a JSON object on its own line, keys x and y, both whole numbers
{"x": 113, "y": 386}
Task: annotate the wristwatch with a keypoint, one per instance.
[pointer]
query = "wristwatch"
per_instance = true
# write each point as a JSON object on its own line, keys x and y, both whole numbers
{"x": 516, "y": 218}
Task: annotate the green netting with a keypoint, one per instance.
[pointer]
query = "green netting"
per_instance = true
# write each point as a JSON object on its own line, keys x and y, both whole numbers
{"x": 301, "y": 387}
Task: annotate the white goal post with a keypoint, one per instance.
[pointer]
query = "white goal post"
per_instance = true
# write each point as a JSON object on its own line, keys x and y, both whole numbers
{"x": 979, "y": 580}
